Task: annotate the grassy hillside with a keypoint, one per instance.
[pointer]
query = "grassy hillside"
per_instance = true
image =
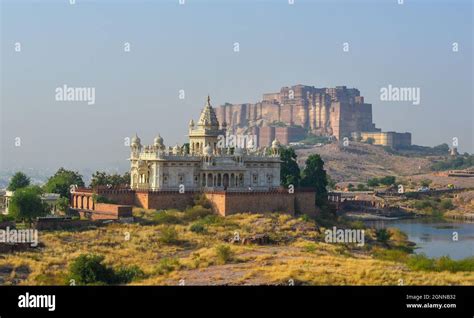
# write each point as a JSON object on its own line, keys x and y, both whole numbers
{"x": 360, "y": 161}
{"x": 192, "y": 247}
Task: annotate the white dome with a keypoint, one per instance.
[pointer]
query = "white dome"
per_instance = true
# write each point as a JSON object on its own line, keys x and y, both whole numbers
{"x": 136, "y": 140}
{"x": 158, "y": 140}
{"x": 176, "y": 149}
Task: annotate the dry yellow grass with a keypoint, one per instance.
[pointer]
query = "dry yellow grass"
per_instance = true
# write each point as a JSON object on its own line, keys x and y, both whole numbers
{"x": 300, "y": 257}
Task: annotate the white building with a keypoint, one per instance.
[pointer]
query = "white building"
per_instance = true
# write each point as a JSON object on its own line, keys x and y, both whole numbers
{"x": 206, "y": 164}
{"x": 51, "y": 199}
{"x": 5, "y": 197}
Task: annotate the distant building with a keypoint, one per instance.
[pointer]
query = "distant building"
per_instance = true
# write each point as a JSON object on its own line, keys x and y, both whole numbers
{"x": 51, "y": 199}
{"x": 390, "y": 139}
{"x": 461, "y": 173}
{"x": 454, "y": 152}
{"x": 5, "y": 197}
{"x": 336, "y": 111}
{"x": 285, "y": 135}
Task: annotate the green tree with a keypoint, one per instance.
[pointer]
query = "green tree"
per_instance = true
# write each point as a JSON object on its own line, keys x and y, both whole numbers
{"x": 18, "y": 181}
{"x": 101, "y": 178}
{"x": 314, "y": 176}
{"x": 289, "y": 170}
{"x": 426, "y": 182}
{"x": 447, "y": 204}
{"x": 62, "y": 181}
{"x": 89, "y": 269}
{"x": 331, "y": 182}
{"x": 382, "y": 235}
{"x": 373, "y": 182}
{"x": 442, "y": 149}
{"x": 63, "y": 204}
{"x": 26, "y": 204}
{"x": 387, "y": 180}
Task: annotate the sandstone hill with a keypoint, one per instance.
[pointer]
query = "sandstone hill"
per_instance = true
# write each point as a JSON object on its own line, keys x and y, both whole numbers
{"x": 360, "y": 161}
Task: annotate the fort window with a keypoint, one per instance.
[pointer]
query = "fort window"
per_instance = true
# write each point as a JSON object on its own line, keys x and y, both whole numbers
{"x": 255, "y": 178}
{"x": 269, "y": 178}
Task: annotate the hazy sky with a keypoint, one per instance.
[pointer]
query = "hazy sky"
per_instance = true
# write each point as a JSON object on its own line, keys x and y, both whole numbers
{"x": 191, "y": 47}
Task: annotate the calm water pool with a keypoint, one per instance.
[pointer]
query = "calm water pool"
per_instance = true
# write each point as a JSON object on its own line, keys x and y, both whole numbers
{"x": 435, "y": 238}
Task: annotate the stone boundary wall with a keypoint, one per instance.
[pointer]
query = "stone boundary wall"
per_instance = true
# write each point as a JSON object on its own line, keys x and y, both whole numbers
{"x": 222, "y": 202}
{"x": 115, "y": 210}
{"x": 122, "y": 197}
{"x": 107, "y": 211}
{"x": 166, "y": 200}
{"x": 53, "y": 224}
{"x": 305, "y": 203}
{"x": 227, "y": 203}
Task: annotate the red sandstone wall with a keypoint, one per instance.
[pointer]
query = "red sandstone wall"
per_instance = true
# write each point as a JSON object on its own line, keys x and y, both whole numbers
{"x": 105, "y": 211}
{"x": 141, "y": 200}
{"x": 237, "y": 203}
{"x": 168, "y": 200}
{"x": 269, "y": 112}
{"x": 153, "y": 200}
{"x": 266, "y": 136}
{"x": 217, "y": 202}
{"x": 231, "y": 203}
{"x": 281, "y": 133}
{"x": 124, "y": 197}
{"x": 223, "y": 203}
{"x": 305, "y": 203}
{"x": 118, "y": 210}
